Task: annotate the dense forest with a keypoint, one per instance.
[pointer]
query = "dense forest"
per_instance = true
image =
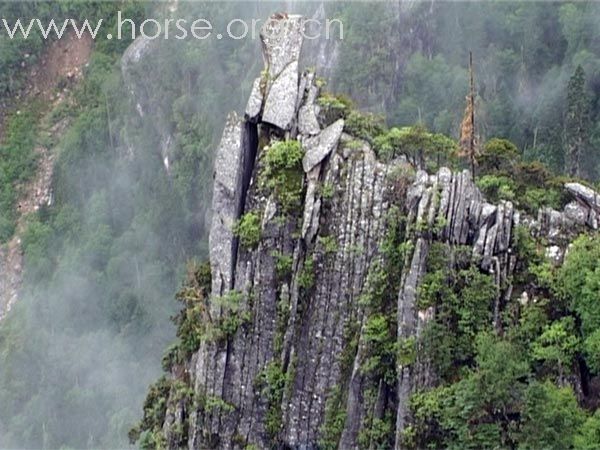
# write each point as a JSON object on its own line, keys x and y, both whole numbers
{"x": 103, "y": 261}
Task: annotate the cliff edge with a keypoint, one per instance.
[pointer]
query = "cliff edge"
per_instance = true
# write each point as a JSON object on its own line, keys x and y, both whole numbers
{"x": 306, "y": 334}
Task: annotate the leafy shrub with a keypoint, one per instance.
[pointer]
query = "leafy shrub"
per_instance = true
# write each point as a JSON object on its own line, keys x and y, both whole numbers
{"x": 365, "y": 126}
{"x": 271, "y": 383}
{"x": 248, "y": 229}
{"x": 498, "y": 154}
{"x": 334, "y": 106}
{"x": 417, "y": 145}
{"x": 306, "y": 279}
{"x": 329, "y": 244}
{"x": 283, "y": 263}
{"x": 497, "y": 187}
{"x": 283, "y": 173}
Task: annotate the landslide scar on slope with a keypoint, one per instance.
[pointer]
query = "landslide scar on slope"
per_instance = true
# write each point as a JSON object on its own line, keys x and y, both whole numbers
{"x": 58, "y": 69}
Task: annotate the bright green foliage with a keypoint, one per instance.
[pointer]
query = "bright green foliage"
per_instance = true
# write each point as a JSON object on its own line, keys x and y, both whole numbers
{"x": 462, "y": 300}
{"x": 283, "y": 264}
{"x": 578, "y": 282}
{"x": 497, "y": 187}
{"x": 248, "y": 229}
{"x": 379, "y": 434}
{"x": 500, "y": 392}
{"x": 163, "y": 394}
{"x": 476, "y": 411}
{"x": 333, "y": 425}
{"x": 382, "y": 350}
{"x": 417, "y": 144}
{"x": 529, "y": 186}
{"x": 327, "y": 191}
{"x": 550, "y": 417}
{"x": 148, "y": 431}
{"x": 334, "y": 107}
{"x": 498, "y": 155}
{"x": 532, "y": 321}
{"x": 365, "y": 126}
{"x": 233, "y": 316}
{"x": 407, "y": 351}
{"x": 271, "y": 382}
{"x": 192, "y": 319}
{"x": 557, "y": 344}
{"x": 589, "y": 433}
{"x": 329, "y": 244}
{"x": 591, "y": 349}
{"x": 283, "y": 174}
{"x": 306, "y": 278}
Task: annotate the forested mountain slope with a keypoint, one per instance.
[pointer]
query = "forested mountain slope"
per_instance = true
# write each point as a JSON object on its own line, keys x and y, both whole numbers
{"x": 354, "y": 300}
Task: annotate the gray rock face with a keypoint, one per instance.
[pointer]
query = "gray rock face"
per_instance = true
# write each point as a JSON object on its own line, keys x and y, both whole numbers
{"x": 317, "y": 148}
{"x": 140, "y": 81}
{"x": 282, "y": 42}
{"x": 255, "y": 102}
{"x": 228, "y": 171}
{"x": 280, "y": 105}
{"x": 308, "y": 123}
{"x": 585, "y": 195}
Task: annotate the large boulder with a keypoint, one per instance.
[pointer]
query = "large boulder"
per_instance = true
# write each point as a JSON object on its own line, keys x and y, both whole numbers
{"x": 320, "y": 146}
{"x": 281, "y": 37}
{"x": 280, "y": 106}
{"x": 584, "y": 194}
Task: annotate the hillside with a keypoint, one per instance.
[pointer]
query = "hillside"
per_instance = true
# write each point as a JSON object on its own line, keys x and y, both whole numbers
{"x": 364, "y": 284}
{"x": 356, "y": 300}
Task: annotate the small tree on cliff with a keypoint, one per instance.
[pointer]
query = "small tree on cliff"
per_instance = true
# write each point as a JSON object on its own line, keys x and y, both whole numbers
{"x": 577, "y": 123}
{"x": 468, "y": 140}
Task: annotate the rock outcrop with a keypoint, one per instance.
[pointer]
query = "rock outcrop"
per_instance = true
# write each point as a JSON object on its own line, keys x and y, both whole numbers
{"x": 296, "y": 369}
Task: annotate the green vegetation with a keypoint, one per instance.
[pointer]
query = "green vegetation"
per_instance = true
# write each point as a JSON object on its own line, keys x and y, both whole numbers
{"x": 155, "y": 410}
{"x": 327, "y": 191}
{"x": 248, "y": 229}
{"x": 329, "y": 244}
{"x": 271, "y": 383}
{"x": 503, "y": 175}
{"x": 417, "y": 145}
{"x": 17, "y": 164}
{"x": 306, "y": 279}
{"x": 283, "y": 264}
{"x": 334, "y": 107}
{"x": 526, "y": 56}
{"x": 102, "y": 262}
{"x": 192, "y": 320}
{"x": 283, "y": 174}
{"x": 365, "y": 126}
{"x": 511, "y": 389}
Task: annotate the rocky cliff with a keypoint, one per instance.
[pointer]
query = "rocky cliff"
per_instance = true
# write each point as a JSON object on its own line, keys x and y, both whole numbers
{"x": 309, "y": 337}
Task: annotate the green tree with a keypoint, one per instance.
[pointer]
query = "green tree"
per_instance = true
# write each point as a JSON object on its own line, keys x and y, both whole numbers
{"x": 498, "y": 155}
{"x": 588, "y": 435}
{"x": 557, "y": 344}
{"x": 550, "y": 418}
{"x": 577, "y": 124}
